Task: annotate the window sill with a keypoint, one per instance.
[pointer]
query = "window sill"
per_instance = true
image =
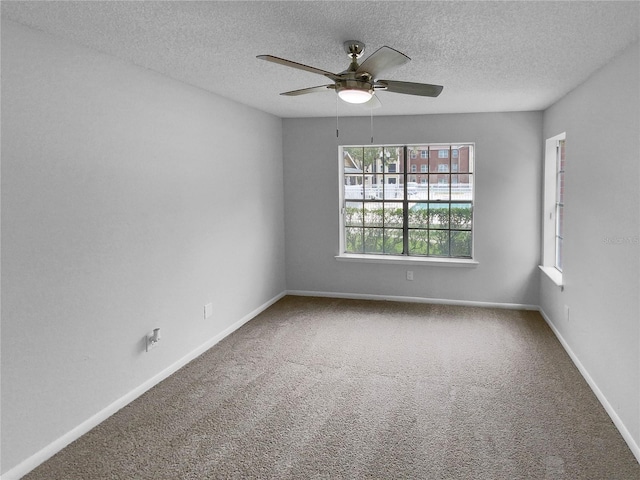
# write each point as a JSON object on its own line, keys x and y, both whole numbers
{"x": 402, "y": 260}
{"x": 554, "y": 275}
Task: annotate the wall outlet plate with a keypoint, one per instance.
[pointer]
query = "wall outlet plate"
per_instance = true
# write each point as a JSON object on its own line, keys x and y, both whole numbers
{"x": 151, "y": 344}
{"x": 208, "y": 310}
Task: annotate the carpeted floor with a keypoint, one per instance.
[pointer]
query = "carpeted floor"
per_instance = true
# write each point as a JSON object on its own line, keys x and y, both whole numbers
{"x": 333, "y": 388}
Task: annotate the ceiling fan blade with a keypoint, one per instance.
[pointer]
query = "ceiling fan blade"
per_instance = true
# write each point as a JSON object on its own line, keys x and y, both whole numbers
{"x": 409, "y": 88}
{"x": 303, "y": 91}
{"x": 299, "y": 66}
{"x": 382, "y": 60}
{"x": 372, "y": 103}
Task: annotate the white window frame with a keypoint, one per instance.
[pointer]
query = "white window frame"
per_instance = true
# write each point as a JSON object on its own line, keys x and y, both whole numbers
{"x": 550, "y": 199}
{"x": 405, "y": 259}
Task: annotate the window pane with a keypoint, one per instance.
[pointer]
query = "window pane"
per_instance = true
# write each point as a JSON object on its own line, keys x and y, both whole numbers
{"x": 461, "y": 187}
{"x": 373, "y": 240}
{"x": 560, "y": 229}
{"x": 393, "y": 214}
{"x": 439, "y": 243}
{"x": 393, "y": 191}
{"x": 373, "y": 214}
{"x": 353, "y": 240}
{"x": 372, "y": 159}
{"x": 418, "y": 215}
{"x": 393, "y": 241}
{"x": 461, "y": 244}
{"x": 418, "y": 242}
{"x": 461, "y": 216}
{"x": 370, "y": 189}
{"x": 461, "y": 161}
{"x": 561, "y": 188}
{"x": 352, "y": 191}
{"x": 352, "y": 157}
{"x": 354, "y": 214}
{"x": 439, "y": 187}
{"x": 559, "y": 253}
{"x": 438, "y": 215}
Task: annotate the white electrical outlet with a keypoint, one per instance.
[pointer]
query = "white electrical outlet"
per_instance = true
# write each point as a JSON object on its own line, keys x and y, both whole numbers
{"x": 409, "y": 275}
{"x": 208, "y": 310}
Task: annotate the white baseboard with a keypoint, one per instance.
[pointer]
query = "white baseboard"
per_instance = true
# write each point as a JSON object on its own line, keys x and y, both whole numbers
{"x": 400, "y": 298}
{"x": 47, "y": 452}
{"x": 633, "y": 446}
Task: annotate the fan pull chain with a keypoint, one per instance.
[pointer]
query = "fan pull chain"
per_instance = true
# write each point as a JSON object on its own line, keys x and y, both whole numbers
{"x": 371, "y": 112}
{"x": 337, "y": 129}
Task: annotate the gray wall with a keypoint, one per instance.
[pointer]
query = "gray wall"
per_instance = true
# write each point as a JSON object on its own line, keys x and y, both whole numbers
{"x": 602, "y": 231}
{"x": 124, "y": 208}
{"x": 507, "y": 207}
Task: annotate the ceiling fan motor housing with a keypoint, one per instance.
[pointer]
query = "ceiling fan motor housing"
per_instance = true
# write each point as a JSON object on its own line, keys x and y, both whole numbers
{"x": 353, "y": 85}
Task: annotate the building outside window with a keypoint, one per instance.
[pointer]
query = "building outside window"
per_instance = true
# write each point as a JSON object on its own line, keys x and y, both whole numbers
{"x": 432, "y": 218}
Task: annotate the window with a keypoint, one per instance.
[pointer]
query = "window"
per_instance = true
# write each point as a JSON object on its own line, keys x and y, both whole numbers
{"x": 554, "y": 201}
{"x": 392, "y": 168}
{"x": 432, "y": 218}
{"x": 559, "y": 204}
{"x": 423, "y": 168}
{"x": 443, "y": 153}
{"x": 414, "y": 168}
{"x": 424, "y": 154}
{"x": 443, "y": 167}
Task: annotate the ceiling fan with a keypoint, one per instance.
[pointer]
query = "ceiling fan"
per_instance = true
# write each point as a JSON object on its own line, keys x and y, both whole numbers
{"x": 360, "y": 82}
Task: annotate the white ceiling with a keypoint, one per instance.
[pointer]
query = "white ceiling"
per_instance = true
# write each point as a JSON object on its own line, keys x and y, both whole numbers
{"x": 490, "y": 56}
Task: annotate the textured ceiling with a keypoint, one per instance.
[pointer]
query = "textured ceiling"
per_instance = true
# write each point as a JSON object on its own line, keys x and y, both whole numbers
{"x": 490, "y": 56}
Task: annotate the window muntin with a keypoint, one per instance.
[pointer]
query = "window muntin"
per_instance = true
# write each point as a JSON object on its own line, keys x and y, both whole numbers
{"x": 417, "y": 215}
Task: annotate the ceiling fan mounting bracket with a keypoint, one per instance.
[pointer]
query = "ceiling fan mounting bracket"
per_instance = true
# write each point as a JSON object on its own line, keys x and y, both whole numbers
{"x": 354, "y": 48}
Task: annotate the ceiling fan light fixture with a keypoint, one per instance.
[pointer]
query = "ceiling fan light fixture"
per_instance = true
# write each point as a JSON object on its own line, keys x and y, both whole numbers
{"x": 353, "y": 95}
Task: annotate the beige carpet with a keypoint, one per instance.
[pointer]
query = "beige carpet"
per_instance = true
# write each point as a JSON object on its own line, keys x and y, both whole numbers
{"x": 329, "y": 388}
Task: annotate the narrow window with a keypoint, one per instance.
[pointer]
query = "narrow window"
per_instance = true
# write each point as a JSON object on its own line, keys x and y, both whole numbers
{"x": 553, "y": 230}
{"x": 559, "y": 207}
